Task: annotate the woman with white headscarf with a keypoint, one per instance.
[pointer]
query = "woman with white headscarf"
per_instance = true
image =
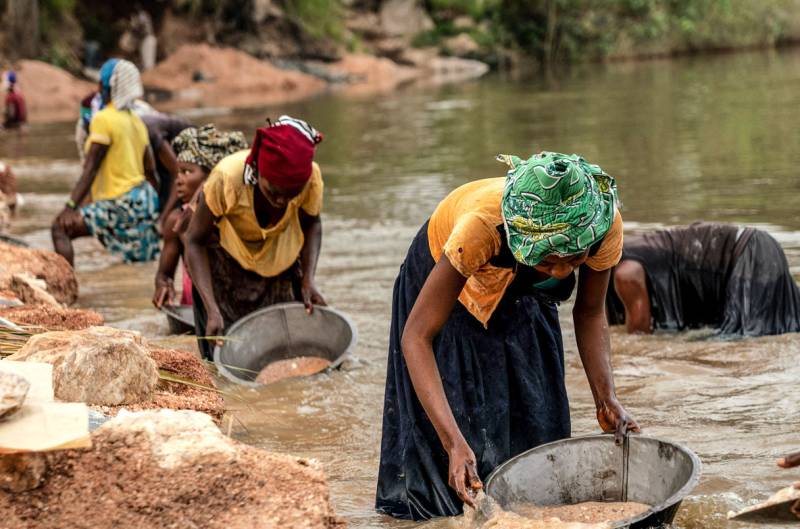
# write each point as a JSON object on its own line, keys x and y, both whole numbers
{"x": 115, "y": 198}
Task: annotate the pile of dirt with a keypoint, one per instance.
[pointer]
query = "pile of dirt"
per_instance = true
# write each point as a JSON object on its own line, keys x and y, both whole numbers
{"x": 48, "y": 266}
{"x": 372, "y": 75}
{"x": 157, "y": 470}
{"x": 202, "y": 75}
{"x": 301, "y": 366}
{"x": 50, "y": 318}
{"x": 51, "y": 94}
{"x": 177, "y": 395}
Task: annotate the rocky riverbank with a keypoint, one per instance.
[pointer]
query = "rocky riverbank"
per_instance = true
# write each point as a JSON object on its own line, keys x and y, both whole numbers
{"x": 165, "y": 469}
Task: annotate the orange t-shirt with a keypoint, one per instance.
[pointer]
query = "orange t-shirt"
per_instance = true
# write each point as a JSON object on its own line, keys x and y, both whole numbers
{"x": 464, "y": 228}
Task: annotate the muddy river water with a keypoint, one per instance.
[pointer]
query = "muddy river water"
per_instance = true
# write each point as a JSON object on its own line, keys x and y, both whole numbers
{"x": 713, "y": 138}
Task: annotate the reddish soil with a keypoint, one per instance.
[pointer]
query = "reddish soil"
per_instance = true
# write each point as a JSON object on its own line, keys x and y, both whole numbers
{"x": 51, "y": 94}
{"x": 301, "y": 366}
{"x": 42, "y": 264}
{"x": 175, "y": 395}
{"x": 52, "y": 318}
{"x": 116, "y": 483}
{"x": 373, "y": 75}
{"x": 232, "y": 79}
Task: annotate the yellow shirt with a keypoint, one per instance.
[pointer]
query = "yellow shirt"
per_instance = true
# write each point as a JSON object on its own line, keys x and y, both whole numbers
{"x": 266, "y": 251}
{"x": 122, "y": 168}
{"x": 464, "y": 228}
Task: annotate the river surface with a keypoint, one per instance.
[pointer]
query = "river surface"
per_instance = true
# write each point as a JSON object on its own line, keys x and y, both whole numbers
{"x": 711, "y": 138}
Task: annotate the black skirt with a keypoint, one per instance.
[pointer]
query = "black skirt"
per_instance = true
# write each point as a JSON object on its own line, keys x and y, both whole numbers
{"x": 239, "y": 292}
{"x": 505, "y": 386}
{"x": 761, "y": 297}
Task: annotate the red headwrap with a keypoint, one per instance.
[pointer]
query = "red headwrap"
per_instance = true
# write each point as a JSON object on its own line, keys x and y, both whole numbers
{"x": 282, "y": 154}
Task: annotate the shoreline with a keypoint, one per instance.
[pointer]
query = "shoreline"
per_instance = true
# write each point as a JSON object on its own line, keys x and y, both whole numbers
{"x": 274, "y": 84}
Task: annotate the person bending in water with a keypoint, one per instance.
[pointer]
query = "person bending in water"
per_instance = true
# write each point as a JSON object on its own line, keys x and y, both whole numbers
{"x": 118, "y": 179}
{"x": 734, "y": 279}
{"x": 476, "y": 360}
{"x": 197, "y": 151}
{"x": 254, "y": 239}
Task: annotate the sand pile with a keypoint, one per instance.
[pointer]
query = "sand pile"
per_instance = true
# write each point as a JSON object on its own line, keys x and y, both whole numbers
{"x": 588, "y": 512}
{"x": 166, "y": 469}
{"x": 230, "y": 78}
{"x": 50, "y": 318}
{"x": 175, "y": 395}
{"x": 51, "y": 94}
{"x": 371, "y": 75}
{"x": 301, "y": 366}
{"x": 50, "y": 267}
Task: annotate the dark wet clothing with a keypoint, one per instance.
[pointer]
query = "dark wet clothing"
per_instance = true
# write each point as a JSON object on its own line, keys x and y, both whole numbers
{"x": 239, "y": 292}
{"x": 505, "y": 386}
{"x": 713, "y": 275}
{"x": 161, "y": 128}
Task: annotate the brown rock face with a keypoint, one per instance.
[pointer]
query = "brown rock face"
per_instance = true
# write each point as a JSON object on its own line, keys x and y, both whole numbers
{"x": 41, "y": 264}
{"x": 165, "y": 469}
{"x": 99, "y": 365}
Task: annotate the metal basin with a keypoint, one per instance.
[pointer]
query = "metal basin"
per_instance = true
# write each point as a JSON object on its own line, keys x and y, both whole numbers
{"x": 279, "y": 332}
{"x": 180, "y": 318}
{"x": 592, "y": 468}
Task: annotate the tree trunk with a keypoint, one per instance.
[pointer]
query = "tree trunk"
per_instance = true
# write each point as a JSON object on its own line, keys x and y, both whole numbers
{"x": 550, "y": 33}
{"x": 22, "y": 21}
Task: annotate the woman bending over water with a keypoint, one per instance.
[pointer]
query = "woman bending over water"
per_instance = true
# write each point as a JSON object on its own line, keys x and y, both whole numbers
{"x": 476, "y": 362}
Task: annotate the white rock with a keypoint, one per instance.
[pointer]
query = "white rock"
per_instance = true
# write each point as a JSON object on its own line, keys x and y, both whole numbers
{"x": 176, "y": 438}
{"x": 13, "y": 390}
{"x": 98, "y": 365}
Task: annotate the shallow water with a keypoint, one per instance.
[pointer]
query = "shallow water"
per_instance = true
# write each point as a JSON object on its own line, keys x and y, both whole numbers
{"x": 712, "y": 138}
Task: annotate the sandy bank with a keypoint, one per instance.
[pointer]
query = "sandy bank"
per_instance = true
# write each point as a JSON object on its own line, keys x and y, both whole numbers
{"x": 166, "y": 469}
{"x": 228, "y": 78}
{"x": 51, "y": 94}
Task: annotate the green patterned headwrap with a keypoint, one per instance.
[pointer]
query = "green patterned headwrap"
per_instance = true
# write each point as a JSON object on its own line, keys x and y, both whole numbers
{"x": 206, "y": 146}
{"x": 555, "y": 204}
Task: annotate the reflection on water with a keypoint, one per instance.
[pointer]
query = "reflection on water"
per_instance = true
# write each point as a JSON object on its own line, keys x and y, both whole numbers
{"x": 711, "y": 138}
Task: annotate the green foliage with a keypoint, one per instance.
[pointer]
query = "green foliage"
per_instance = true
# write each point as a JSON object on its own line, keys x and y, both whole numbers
{"x": 320, "y": 18}
{"x": 594, "y": 29}
{"x": 477, "y": 9}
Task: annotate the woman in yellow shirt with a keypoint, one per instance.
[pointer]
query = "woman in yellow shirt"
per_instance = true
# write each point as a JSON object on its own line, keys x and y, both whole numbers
{"x": 118, "y": 178}
{"x": 254, "y": 239}
{"x": 476, "y": 362}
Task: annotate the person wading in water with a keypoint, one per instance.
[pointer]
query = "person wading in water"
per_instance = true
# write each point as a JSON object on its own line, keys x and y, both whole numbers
{"x": 254, "y": 239}
{"x": 734, "y": 279}
{"x": 476, "y": 361}
{"x": 118, "y": 179}
{"x": 197, "y": 151}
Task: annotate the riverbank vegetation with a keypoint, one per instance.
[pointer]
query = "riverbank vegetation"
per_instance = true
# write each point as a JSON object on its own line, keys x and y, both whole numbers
{"x": 551, "y": 31}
